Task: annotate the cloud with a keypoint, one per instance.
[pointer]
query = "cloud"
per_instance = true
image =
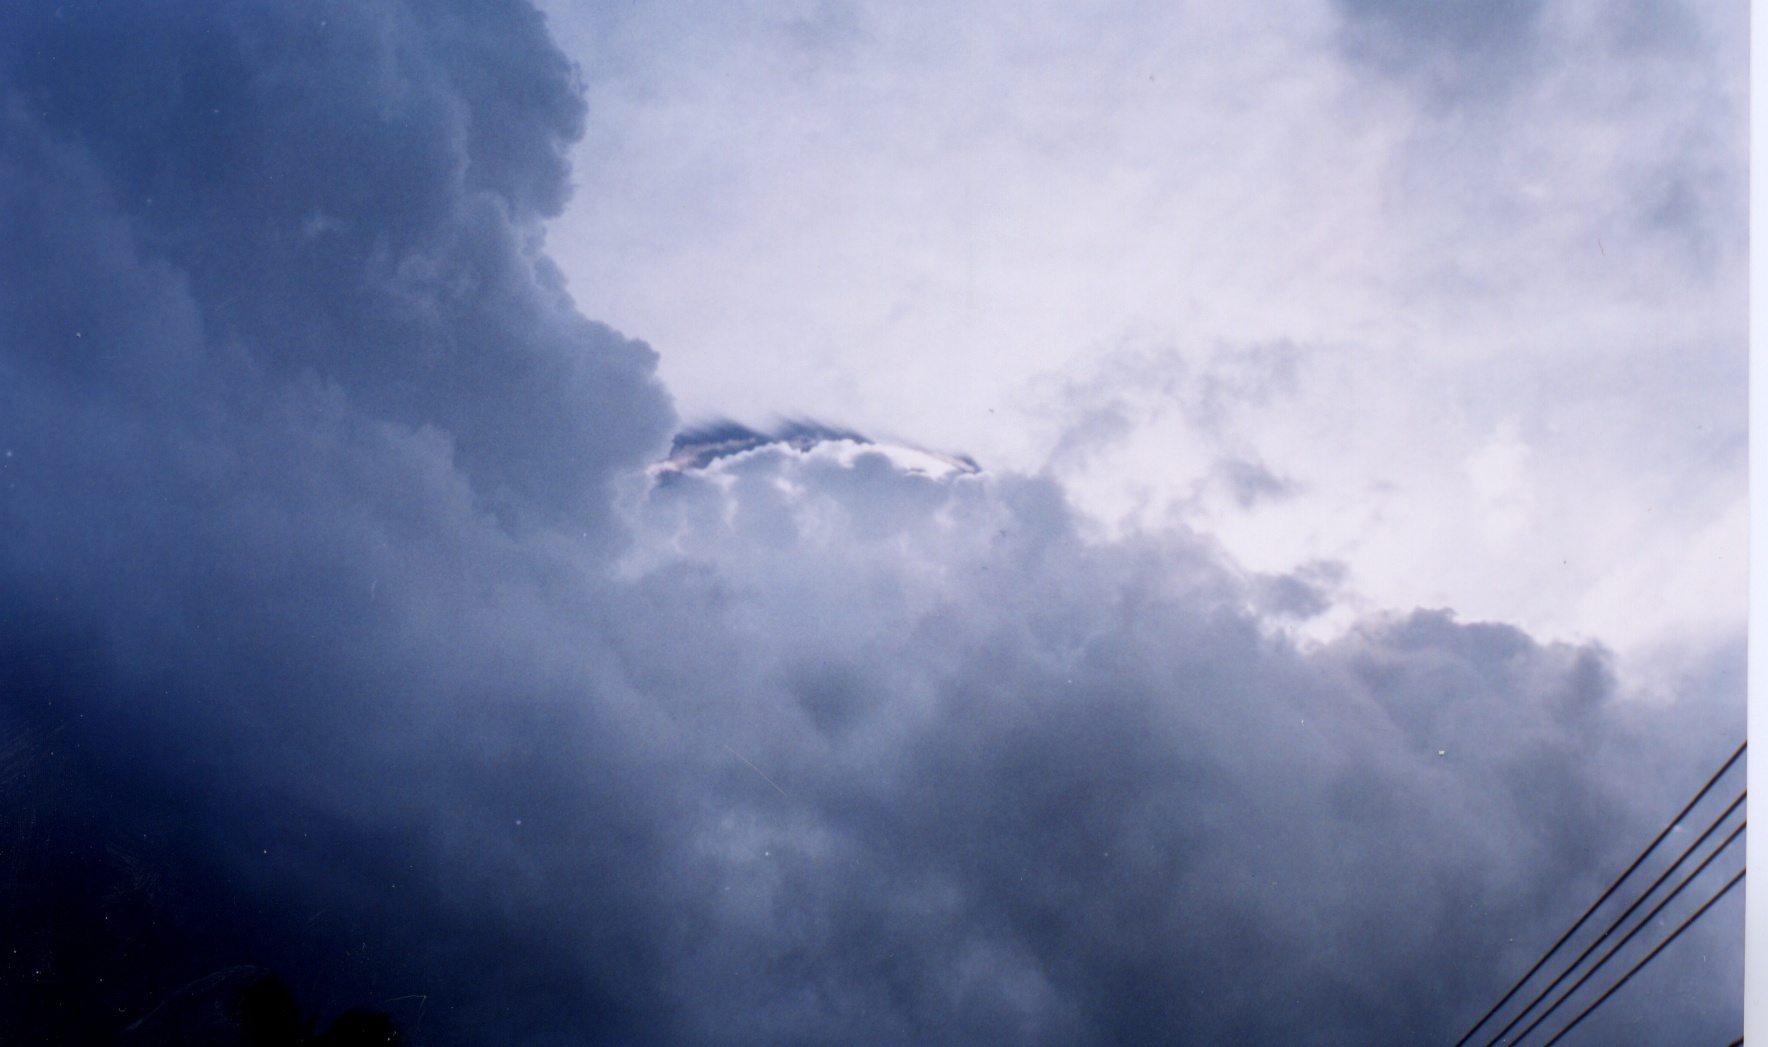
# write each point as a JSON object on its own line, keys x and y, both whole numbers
{"x": 1459, "y": 49}
{"x": 922, "y": 230}
{"x": 348, "y": 194}
{"x": 1036, "y": 789}
{"x": 344, "y": 635}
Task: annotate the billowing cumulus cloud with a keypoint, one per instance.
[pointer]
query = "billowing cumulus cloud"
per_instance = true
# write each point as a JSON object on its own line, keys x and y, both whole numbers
{"x": 345, "y": 635}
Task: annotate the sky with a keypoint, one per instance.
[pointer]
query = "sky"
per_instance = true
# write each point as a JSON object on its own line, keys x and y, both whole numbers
{"x": 1461, "y": 285}
{"x": 1272, "y": 552}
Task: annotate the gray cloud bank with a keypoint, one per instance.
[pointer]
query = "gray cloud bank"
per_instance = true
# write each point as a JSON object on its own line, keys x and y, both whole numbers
{"x": 342, "y": 634}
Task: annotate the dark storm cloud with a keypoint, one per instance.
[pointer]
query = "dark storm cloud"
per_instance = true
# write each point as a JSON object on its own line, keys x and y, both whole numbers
{"x": 340, "y": 637}
{"x": 284, "y": 374}
{"x": 343, "y": 191}
{"x": 1075, "y": 793}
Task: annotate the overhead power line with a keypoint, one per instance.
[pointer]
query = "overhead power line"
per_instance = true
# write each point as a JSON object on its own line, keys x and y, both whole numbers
{"x": 1683, "y": 926}
{"x": 1659, "y": 907}
{"x": 1616, "y": 924}
{"x": 1597, "y": 904}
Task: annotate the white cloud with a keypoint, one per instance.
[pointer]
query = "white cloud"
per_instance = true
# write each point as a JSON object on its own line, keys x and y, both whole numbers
{"x": 923, "y": 222}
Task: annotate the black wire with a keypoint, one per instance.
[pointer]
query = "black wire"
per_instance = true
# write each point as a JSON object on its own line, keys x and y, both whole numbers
{"x": 1520, "y": 982}
{"x": 1614, "y": 926}
{"x": 1729, "y": 884}
{"x": 1659, "y": 907}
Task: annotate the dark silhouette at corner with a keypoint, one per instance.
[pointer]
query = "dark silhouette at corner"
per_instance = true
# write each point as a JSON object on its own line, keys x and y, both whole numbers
{"x": 270, "y": 1017}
